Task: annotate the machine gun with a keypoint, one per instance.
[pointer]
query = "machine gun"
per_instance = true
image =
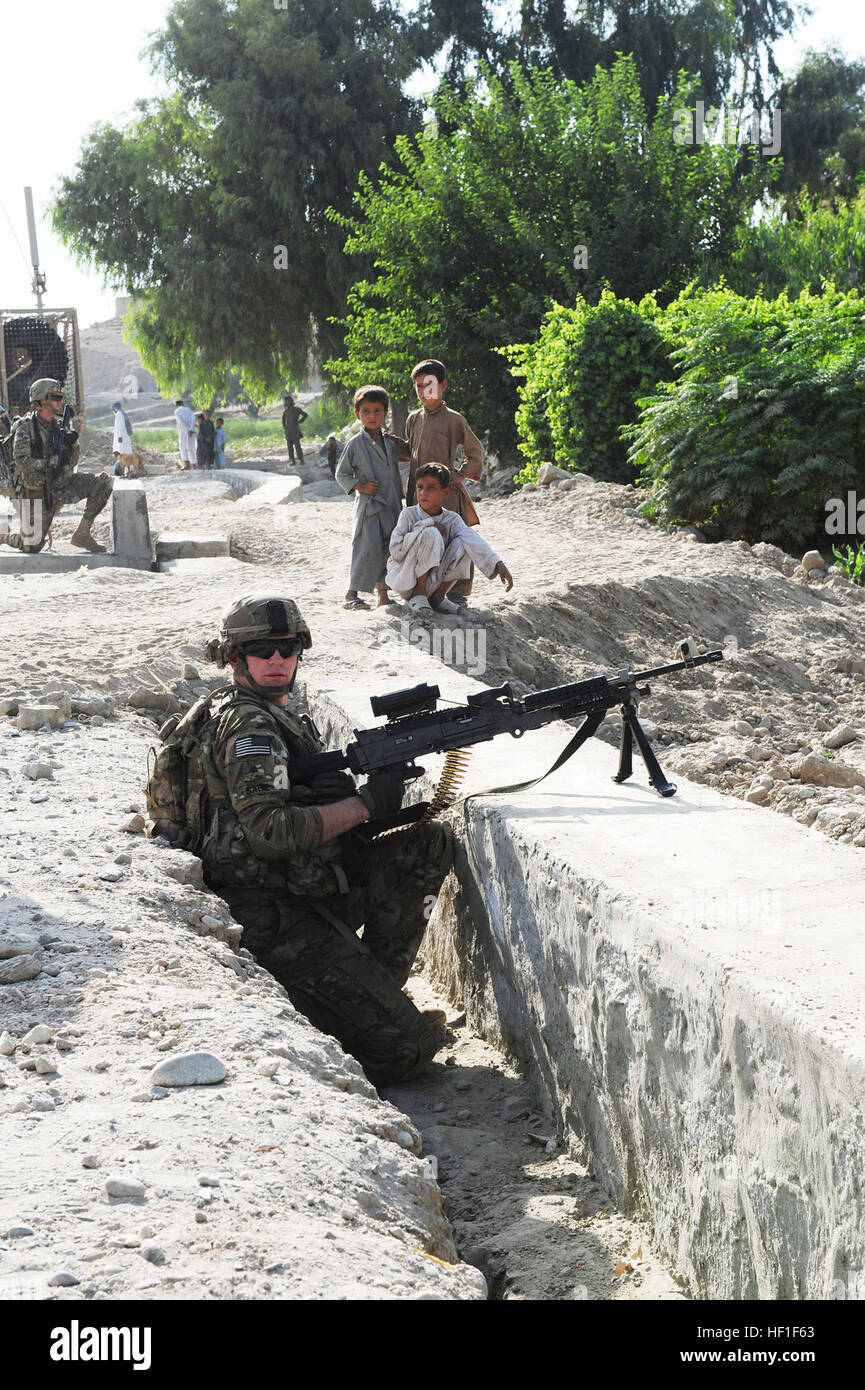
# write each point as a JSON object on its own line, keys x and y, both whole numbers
{"x": 416, "y": 726}
{"x": 66, "y": 436}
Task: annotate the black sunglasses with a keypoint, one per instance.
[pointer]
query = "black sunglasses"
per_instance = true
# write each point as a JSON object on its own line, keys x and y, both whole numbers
{"x": 289, "y": 646}
{"x": 54, "y": 396}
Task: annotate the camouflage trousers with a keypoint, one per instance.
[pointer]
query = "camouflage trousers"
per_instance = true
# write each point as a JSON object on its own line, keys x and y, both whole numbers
{"x": 37, "y": 508}
{"x": 345, "y": 985}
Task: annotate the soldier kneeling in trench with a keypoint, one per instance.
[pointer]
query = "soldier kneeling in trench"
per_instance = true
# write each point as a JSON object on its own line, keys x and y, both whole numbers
{"x": 288, "y": 858}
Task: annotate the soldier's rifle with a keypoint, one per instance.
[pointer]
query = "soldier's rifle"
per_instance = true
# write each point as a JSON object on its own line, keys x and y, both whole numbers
{"x": 416, "y": 726}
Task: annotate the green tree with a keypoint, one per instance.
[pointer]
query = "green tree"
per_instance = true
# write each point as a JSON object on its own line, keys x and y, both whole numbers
{"x": 800, "y": 252}
{"x": 273, "y": 114}
{"x": 728, "y": 44}
{"x": 823, "y": 140}
{"x": 478, "y": 230}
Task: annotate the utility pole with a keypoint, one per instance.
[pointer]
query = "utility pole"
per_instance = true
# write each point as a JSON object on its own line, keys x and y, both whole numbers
{"x": 38, "y": 285}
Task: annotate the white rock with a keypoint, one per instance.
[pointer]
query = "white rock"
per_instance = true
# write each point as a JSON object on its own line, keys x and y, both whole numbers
{"x": 7, "y": 1044}
{"x": 63, "y": 1280}
{"x": 812, "y": 560}
{"x": 549, "y": 473}
{"x": 41, "y": 1033}
{"x": 841, "y": 734}
{"x": 21, "y": 968}
{"x": 124, "y": 1187}
{"x": 825, "y": 772}
{"x": 16, "y": 948}
{"x": 146, "y": 1233}
{"x": 46, "y": 1066}
{"x": 188, "y": 1069}
{"x": 60, "y": 698}
{"x": 758, "y": 794}
{"x": 91, "y": 706}
{"x": 154, "y": 1254}
{"x": 267, "y": 1068}
{"x": 34, "y": 716}
{"x": 208, "y": 1180}
{"x": 89, "y": 1161}
{"x": 18, "y": 1230}
{"x": 37, "y": 770}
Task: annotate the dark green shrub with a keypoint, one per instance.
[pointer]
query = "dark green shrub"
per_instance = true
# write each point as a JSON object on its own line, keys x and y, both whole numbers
{"x": 764, "y": 423}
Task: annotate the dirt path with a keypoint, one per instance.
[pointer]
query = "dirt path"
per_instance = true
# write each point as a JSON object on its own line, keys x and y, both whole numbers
{"x": 596, "y": 589}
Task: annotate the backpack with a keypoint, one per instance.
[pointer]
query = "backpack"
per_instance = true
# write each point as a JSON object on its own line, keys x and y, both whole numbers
{"x": 182, "y": 787}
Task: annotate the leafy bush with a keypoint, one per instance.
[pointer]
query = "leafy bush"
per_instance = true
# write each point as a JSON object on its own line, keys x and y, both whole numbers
{"x": 582, "y": 377}
{"x": 764, "y": 422}
{"x": 800, "y": 253}
{"x": 852, "y": 561}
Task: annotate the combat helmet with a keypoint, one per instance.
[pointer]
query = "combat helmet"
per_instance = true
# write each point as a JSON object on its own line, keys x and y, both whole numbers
{"x": 250, "y": 618}
{"x": 254, "y": 616}
{"x": 43, "y": 387}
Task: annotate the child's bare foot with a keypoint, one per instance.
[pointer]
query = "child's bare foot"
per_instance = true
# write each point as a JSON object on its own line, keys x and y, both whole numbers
{"x": 383, "y": 598}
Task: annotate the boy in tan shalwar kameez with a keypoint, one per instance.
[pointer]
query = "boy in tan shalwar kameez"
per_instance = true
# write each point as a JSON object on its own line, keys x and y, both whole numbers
{"x": 432, "y": 435}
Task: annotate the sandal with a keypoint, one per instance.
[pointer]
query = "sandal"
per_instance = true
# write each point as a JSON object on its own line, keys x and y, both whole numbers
{"x": 355, "y": 603}
{"x": 419, "y": 604}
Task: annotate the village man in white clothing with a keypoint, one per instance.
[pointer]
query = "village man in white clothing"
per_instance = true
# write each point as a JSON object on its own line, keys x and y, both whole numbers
{"x": 185, "y": 434}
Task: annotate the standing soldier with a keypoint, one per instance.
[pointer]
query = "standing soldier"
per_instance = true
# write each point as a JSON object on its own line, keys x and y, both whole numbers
{"x": 44, "y": 455}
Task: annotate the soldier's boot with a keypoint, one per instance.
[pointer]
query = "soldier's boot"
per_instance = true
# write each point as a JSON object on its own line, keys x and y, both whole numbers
{"x": 82, "y": 537}
{"x": 8, "y": 536}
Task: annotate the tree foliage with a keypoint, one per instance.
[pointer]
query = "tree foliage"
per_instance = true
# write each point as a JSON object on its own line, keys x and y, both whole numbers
{"x": 273, "y": 114}
{"x": 581, "y": 379}
{"x": 729, "y": 45}
{"x": 823, "y": 141}
{"x": 764, "y": 421}
{"x": 794, "y": 253}
{"x": 474, "y": 234}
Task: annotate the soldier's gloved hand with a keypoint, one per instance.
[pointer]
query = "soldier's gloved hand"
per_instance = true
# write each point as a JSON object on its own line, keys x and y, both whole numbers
{"x": 327, "y": 787}
{"x": 382, "y": 794}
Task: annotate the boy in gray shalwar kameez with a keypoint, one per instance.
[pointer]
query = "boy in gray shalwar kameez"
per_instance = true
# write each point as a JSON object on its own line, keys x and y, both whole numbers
{"x": 369, "y": 468}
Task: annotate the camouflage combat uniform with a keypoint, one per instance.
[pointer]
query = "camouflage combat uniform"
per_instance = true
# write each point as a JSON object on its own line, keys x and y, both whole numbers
{"x": 302, "y": 902}
{"x": 42, "y": 489}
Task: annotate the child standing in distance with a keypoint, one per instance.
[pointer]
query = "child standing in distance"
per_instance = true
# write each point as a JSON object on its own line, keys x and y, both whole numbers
{"x": 219, "y": 443}
{"x": 369, "y": 468}
{"x": 433, "y": 434}
{"x": 432, "y": 548}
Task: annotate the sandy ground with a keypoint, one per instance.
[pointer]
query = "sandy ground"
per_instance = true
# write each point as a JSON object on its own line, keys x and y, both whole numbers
{"x": 597, "y": 588}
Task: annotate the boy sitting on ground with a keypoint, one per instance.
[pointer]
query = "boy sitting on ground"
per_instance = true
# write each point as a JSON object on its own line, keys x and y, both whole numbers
{"x": 432, "y": 548}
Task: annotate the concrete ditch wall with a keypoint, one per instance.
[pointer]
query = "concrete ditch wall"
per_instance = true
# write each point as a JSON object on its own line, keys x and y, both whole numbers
{"x": 684, "y": 981}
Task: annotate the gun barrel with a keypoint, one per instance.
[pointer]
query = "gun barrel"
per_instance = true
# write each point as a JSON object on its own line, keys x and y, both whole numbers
{"x": 716, "y": 655}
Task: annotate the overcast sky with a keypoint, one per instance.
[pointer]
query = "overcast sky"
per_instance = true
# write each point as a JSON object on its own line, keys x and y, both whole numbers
{"x": 100, "y": 74}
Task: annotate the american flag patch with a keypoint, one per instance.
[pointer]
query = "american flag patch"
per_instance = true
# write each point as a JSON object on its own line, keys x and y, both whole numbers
{"x": 252, "y": 746}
